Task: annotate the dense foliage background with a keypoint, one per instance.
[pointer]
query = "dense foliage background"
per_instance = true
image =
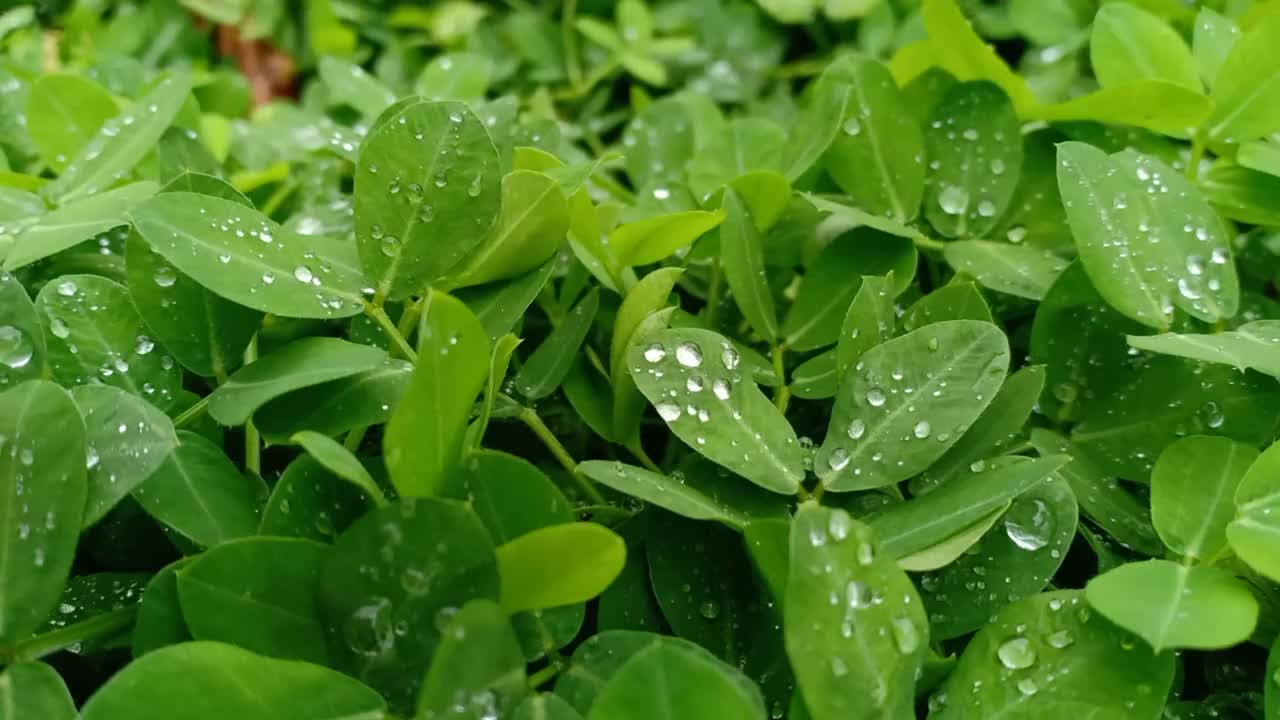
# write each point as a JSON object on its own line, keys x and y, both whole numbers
{"x": 827, "y": 359}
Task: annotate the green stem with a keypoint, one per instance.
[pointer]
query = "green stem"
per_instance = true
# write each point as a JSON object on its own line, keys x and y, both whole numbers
{"x": 252, "y": 447}
{"x": 530, "y": 418}
{"x": 379, "y": 316}
{"x": 191, "y": 414}
{"x": 569, "y": 37}
{"x": 355, "y": 437}
{"x": 278, "y": 197}
{"x": 48, "y": 643}
{"x": 781, "y": 397}
{"x": 541, "y": 677}
{"x": 924, "y": 242}
{"x": 409, "y": 318}
{"x": 635, "y": 448}
{"x": 1198, "y": 146}
{"x": 713, "y": 293}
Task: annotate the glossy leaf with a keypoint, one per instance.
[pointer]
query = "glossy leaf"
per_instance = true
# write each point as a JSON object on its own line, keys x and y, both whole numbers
{"x": 958, "y": 50}
{"x": 1129, "y": 43}
{"x": 584, "y": 557}
{"x": 530, "y": 229}
{"x": 1023, "y": 271}
{"x": 75, "y": 222}
{"x": 1193, "y": 485}
{"x": 742, "y": 253}
{"x": 548, "y": 365}
{"x": 310, "y": 502}
{"x": 34, "y": 690}
{"x": 1246, "y": 85}
{"x": 363, "y": 399}
{"x": 1252, "y": 533}
{"x": 742, "y": 431}
{"x": 340, "y": 461}
{"x": 653, "y": 239}
{"x": 23, "y": 351}
{"x": 453, "y": 355}
{"x": 894, "y": 416}
{"x": 868, "y": 322}
{"x": 64, "y": 112}
{"x": 860, "y": 653}
{"x": 694, "y": 686}
{"x": 700, "y": 494}
{"x": 477, "y": 670}
{"x": 127, "y": 439}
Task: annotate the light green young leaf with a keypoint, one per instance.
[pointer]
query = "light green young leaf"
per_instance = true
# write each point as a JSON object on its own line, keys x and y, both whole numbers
{"x": 1176, "y": 606}
{"x": 1254, "y": 534}
{"x": 868, "y": 322}
{"x": 348, "y": 84}
{"x": 455, "y": 76}
{"x": 23, "y": 352}
{"x": 653, "y": 239}
{"x": 907, "y": 528}
{"x": 1146, "y": 236}
{"x": 648, "y": 296}
{"x": 453, "y": 362}
{"x": 583, "y": 558}
{"x": 64, "y": 112}
{"x": 958, "y": 50}
{"x": 908, "y": 401}
{"x": 1254, "y": 345}
{"x": 543, "y": 372}
{"x": 1019, "y": 270}
{"x": 530, "y": 229}
{"x": 128, "y": 438}
{"x": 234, "y": 683}
{"x": 691, "y": 377}
{"x": 301, "y": 363}
{"x": 426, "y": 194}
{"x": 121, "y": 142}
{"x": 1129, "y": 43}
{"x": 947, "y": 551}
{"x": 1241, "y": 193}
{"x": 974, "y": 145}
{"x": 1152, "y": 104}
{"x": 1049, "y": 656}
{"x": 742, "y": 252}
{"x": 1211, "y": 41}
{"x": 1247, "y": 85}
{"x": 546, "y": 707}
{"x": 857, "y": 656}
{"x": 878, "y": 154}
{"x": 340, "y": 461}
{"x": 477, "y": 667}
{"x": 248, "y": 258}
{"x": 200, "y": 494}
{"x": 42, "y": 496}
{"x": 1193, "y": 487}
{"x": 258, "y": 593}
{"x": 35, "y": 690}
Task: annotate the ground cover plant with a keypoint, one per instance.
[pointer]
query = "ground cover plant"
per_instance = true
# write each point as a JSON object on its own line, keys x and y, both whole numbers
{"x": 830, "y": 359}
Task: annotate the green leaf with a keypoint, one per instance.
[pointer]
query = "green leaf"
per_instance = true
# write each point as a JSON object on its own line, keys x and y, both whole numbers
{"x": 1193, "y": 485}
{"x": 868, "y": 322}
{"x": 975, "y": 150}
{"x": 748, "y": 145}
{"x": 477, "y": 670}
{"x": 360, "y": 400}
{"x": 654, "y": 239}
{"x": 894, "y": 416}
{"x": 231, "y": 683}
{"x": 742, "y": 252}
{"x": 422, "y": 176}
{"x": 693, "y": 685}
{"x": 94, "y": 334}
{"x": 817, "y": 378}
{"x": 1253, "y": 532}
{"x": 1129, "y": 43}
{"x": 1050, "y": 656}
{"x": 859, "y": 654}
{"x": 310, "y": 502}
{"x": 816, "y": 128}
{"x": 1020, "y": 270}
{"x": 75, "y": 222}
{"x": 64, "y": 112}
{"x": 1175, "y": 606}
{"x": 583, "y": 557}
{"x": 453, "y": 361}
{"x": 349, "y": 84}
{"x": 127, "y": 439}
{"x": 742, "y": 431}
{"x": 1151, "y": 104}
{"x": 201, "y": 495}
{"x": 956, "y": 301}
{"x": 42, "y": 496}
{"x": 23, "y": 352}
{"x": 546, "y": 707}
{"x": 35, "y": 690}
{"x": 957, "y": 49}
{"x": 1212, "y": 39}
{"x": 1248, "y": 80}
{"x": 401, "y": 566}
{"x": 500, "y": 305}
{"x": 455, "y": 76}
{"x": 1147, "y": 238}
{"x": 258, "y": 594}
{"x": 302, "y": 363}
{"x": 159, "y": 622}
{"x": 121, "y": 142}
{"x": 905, "y": 529}
{"x": 247, "y": 258}
{"x": 1241, "y": 193}
{"x": 1026, "y": 545}
{"x": 878, "y": 154}
{"x": 530, "y": 229}
{"x": 340, "y": 461}
{"x": 832, "y": 283}
{"x": 695, "y": 491}
{"x": 543, "y": 372}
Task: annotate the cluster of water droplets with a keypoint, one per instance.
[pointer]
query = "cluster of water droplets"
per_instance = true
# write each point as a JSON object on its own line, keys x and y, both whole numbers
{"x": 700, "y": 387}
{"x": 958, "y": 200}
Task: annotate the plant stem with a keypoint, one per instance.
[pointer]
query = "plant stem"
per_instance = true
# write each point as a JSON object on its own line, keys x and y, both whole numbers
{"x": 530, "y": 418}
{"x": 569, "y": 37}
{"x": 379, "y": 315}
{"x": 191, "y": 414}
{"x": 635, "y": 448}
{"x": 355, "y": 437}
{"x": 540, "y": 678}
{"x": 924, "y": 242}
{"x": 782, "y": 397}
{"x": 64, "y": 637}
{"x": 1198, "y": 146}
{"x": 252, "y": 448}
{"x": 713, "y": 293}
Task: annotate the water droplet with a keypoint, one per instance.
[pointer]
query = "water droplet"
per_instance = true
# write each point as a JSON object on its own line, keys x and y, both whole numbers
{"x": 852, "y": 126}
{"x": 1016, "y": 234}
{"x": 268, "y": 278}
{"x": 59, "y": 328}
{"x": 654, "y": 353}
{"x": 866, "y": 554}
{"x": 694, "y": 383}
{"x": 839, "y": 459}
{"x": 977, "y": 466}
{"x": 1028, "y": 523}
{"x": 66, "y": 288}
{"x": 444, "y": 617}
{"x": 709, "y": 610}
{"x": 91, "y": 457}
{"x": 390, "y": 245}
{"x": 1060, "y": 639}
{"x": 922, "y": 429}
{"x": 689, "y": 354}
{"x": 1219, "y": 256}
{"x": 369, "y": 630}
{"x": 720, "y": 388}
{"x": 1186, "y": 290}
{"x": 986, "y": 208}
{"x": 1016, "y": 653}
{"x": 16, "y": 349}
{"x": 838, "y": 668}
{"x": 1027, "y": 686}
{"x": 997, "y": 166}
{"x": 415, "y": 581}
{"x": 953, "y": 200}
{"x": 164, "y": 277}
{"x": 875, "y": 397}
{"x": 1195, "y": 264}
{"x": 145, "y": 345}
{"x": 858, "y": 594}
{"x": 729, "y": 357}
{"x": 969, "y": 134}
{"x": 669, "y": 412}
{"x": 905, "y": 635}
{"x": 857, "y": 428}
{"x": 303, "y": 274}
{"x": 375, "y": 232}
